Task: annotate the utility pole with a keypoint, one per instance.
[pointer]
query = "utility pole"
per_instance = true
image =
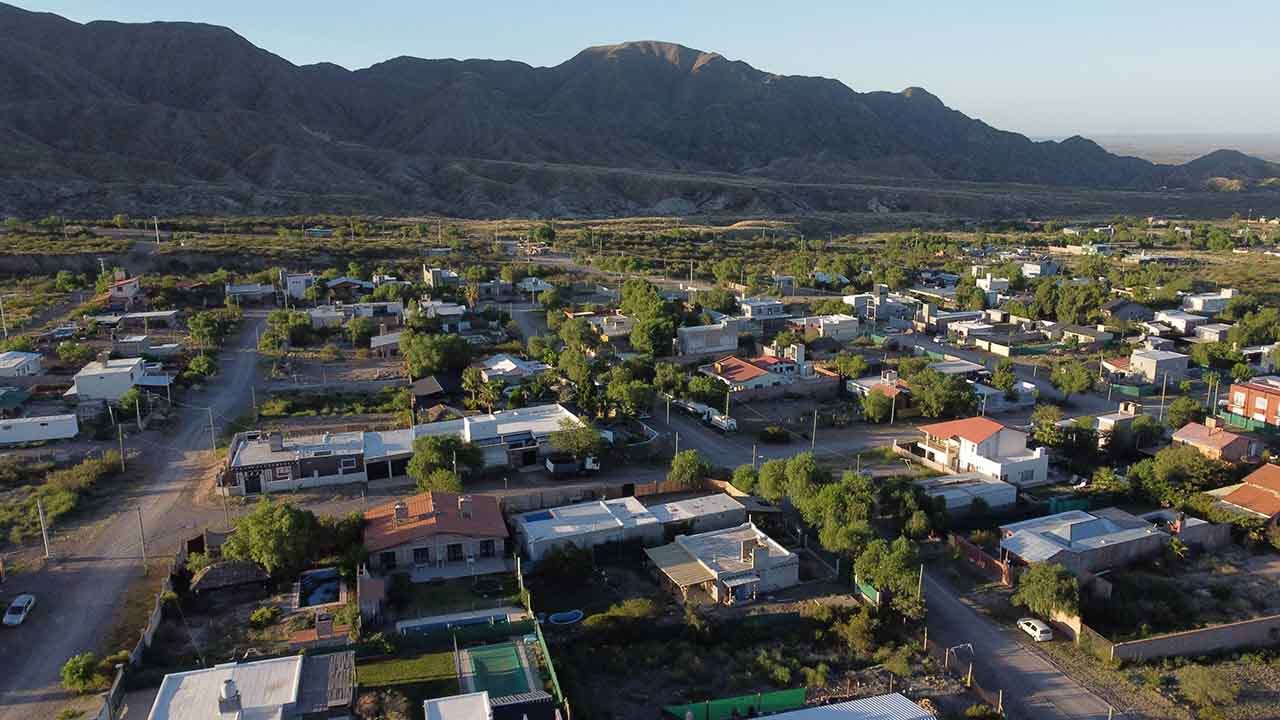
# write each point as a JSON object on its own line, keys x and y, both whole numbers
{"x": 226, "y": 513}
{"x": 44, "y": 528}
{"x": 142, "y": 538}
{"x": 893, "y": 408}
{"x": 213, "y": 434}
{"x": 677, "y": 452}
{"x": 156, "y": 221}
{"x": 753, "y": 456}
{"x": 120, "y": 434}
{"x": 920, "y": 585}
{"x": 813, "y": 435}
{"x": 1164, "y": 387}
{"x": 3, "y": 322}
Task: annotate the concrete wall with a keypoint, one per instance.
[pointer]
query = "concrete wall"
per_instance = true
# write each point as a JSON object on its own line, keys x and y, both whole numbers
{"x": 1219, "y": 638}
{"x": 819, "y": 387}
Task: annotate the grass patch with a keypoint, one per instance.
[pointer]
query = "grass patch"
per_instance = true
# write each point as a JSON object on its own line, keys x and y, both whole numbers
{"x": 293, "y": 404}
{"x": 60, "y": 494}
{"x": 419, "y": 678}
{"x": 460, "y": 595}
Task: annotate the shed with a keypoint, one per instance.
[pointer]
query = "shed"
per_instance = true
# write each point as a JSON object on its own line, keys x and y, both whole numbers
{"x": 228, "y": 574}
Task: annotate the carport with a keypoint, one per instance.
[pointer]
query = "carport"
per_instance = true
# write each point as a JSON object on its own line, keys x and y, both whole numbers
{"x": 679, "y": 568}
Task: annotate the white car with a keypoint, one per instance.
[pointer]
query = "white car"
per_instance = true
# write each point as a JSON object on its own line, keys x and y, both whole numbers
{"x": 19, "y": 609}
{"x": 1038, "y": 630}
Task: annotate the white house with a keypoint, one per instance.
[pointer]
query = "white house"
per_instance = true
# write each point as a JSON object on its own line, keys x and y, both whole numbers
{"x": 1157, "y": 365}
{"x": 959, "y": 492}
{"x": 1184, "y": 323}
{"x": 733, "y": 565}
{"x": 297, "y": 284}
{"x": 315, "y": 685}
{"x": 586, "y": 525}
{"x": 982, "y": 445}
{"x": 14, "y": 363}
{"x": 38, "y": 429}
{"x": 838, "y": 327}
{"x": 509, "y": 368}
{"x": 106, "y": 379}
{"x": 763, "y": 309}
{"x": 717, "y": 339}
{"x": 533, "y": 285}
{"x": 1208, "y": 303}
{"x": 1043, "y": 268}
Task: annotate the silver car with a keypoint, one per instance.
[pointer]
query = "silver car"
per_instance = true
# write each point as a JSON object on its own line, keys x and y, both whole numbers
{"x": 19, "y": 609}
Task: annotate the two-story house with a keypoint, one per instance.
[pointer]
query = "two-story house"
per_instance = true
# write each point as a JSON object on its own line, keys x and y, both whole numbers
{"x": 982, "y": 445}
{"x": 1258, "y": 399}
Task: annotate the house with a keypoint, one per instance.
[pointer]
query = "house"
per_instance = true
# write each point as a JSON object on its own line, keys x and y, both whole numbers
{"x": 763, "y": 309}
{"x": 1213, "y": 332}
{"x": 1258, "y": 494}
{"x": 439, "y": 278}
{"x": 741, "y": 375}
{"x": 1158, "y": 365}
{"x": 1261, "y": 358}
{"x": 452, "y": 316}
{"x": 266, "y": 463}
{"x": 347, "y": 288}
{"x": 296, "y": 284}
{"x": 734, "y": 565}
{"x": 893, "y": 706}
{"x": 958, "y": 492}
{"x": 1040, "y": 268}
{"x": 1021, "y": 395}
{"x": 509, "y": 438}
{"x": 510, "y": 369}
{"x": 611, "y": 328}
{"x": 385, "y": 345}
{"x": 957, "y": 367}
{"x": 14, "y": 363}
{"x": 437, "y": 531}
{"x": 1083, "y": 542}
{"x": 585, "y": 526}
{"x": 11, "y": 401}
{"x": 840, "y": 327}
{"x": 699, "y": 514}
{"x": 982, "y": 445}
{"x": 1125, "y": 310}
{"x": 931, "y": 319}
{"x": 1083, "y": 336}
{"x": 326, "y": 316}
{"x": 38, "y": 429}
{"x": 107, "y": 379}
{"x": 124, "y": 292}
{"x": 880, "y": 306}
{"x": 146, "y": 319}
{"x": 1257, "y": 399}
{"x": 1211, "y": 441}
{"x": 229, "y": 575}
{"x": 293, "y": 687}
{"x": 1184, "y": 323}
{"x": 468, "y": 706}
{"x": 715, "y": 339}
{"x": 1109, "y": 427}
{"x": 1208, "y": 303}
{"x": 533, "y": 285}
{"x": 249, "y": 292}
{"x": 994, "y": 287}
{"x": 887, "y": 382}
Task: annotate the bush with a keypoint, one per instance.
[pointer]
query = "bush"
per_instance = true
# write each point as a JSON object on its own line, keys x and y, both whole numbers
{"x": 264, "y": 616}
{"x": 981, "y": 711}
{"x": 81, "y": 675}
{"x": 774, "y": 434}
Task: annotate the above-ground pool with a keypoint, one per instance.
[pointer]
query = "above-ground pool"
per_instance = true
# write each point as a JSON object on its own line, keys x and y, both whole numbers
{"x": 319, "y": 587}
{"x": 565, "y": 618}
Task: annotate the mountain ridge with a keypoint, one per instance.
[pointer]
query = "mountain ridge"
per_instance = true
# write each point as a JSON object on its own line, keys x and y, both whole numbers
{"x": 131, "y": 116}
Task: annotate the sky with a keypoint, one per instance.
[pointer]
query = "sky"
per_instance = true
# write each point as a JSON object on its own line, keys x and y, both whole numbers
{"x": 1087, "y": 67}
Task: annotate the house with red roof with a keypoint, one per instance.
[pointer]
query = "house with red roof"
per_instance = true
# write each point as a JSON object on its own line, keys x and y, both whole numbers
{"x": 1216, "y": 443}
{"x": 437, "y": 535}
{"x": 1258, "y": 494}
{"x": 982, "y": 445}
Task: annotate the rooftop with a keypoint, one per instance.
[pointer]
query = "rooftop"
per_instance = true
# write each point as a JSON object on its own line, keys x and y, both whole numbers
{"x": 536, "y": 420}
{"x": 1156, "y": 355}
{"x": 1204, "y": 436}
{"x": 258, "y": 450}
{"x": 14, "y": 358}
{"x": 1264, "y": 383}
{"x": 955, "y": 367}
{"x": 893, "y": 706}
{"x": 974, "y": 429}
{"x": 470, "y": 706}
{"x": 584, "y": 518}
{"x": 1074, "y": 531}
{"x": 720, "y": 551}
{"x": 691, "y": 508}
{"x": 274, "y": 689}
{"x": 736, "y": 370}
{"x": 433, "y": 513}
{"x": 111, "y": 367}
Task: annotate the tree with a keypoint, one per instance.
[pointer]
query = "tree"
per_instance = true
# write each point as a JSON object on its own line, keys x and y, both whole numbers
{"x": 706, "y": 389}
{"x": 849, "y": 365}
{"x": 472, "y": 382}
{"x": 652, "y": 335}
{"x": 1046, "y": 588}
{"x": 490, "y": 394}
{"x": 552, "y": 299}
{"x": 1071, "y": 377}
{"x": 1241, "y": 372}
{"x": 577, "y": 334}
{"x": 435, "y": 452}
{"x": 1185, "y": 410}
{"x": 772, "y": 480}
{"x": 80, "y": 673}
{"x": 893, "y": 568}
{"x": 1004, "y": 378}
{"x": 439, "y": 480}
{"x": 274, "y": 535}
{"x": 1044, "y": 424}
{"x": 575, "y": 366}
{"x": 430, "y": 354}
{"x": 74, "y": 353}
{"x": 120, "y": 220}
{"x": 577, "y": 439}
{"x": 688, "y": 469}
{"x": 1176, "y": 473}
{"x": 669, "y": 378}
{"x": 629, "y": 397}
{"x": 877, "y": 406}
{"x": 360, "y": 330}
{"x": 129, "y": 400}
{"x": 745, "y": 478}
{"x": 937, "y": 395}
{"x": 65, "y": 281}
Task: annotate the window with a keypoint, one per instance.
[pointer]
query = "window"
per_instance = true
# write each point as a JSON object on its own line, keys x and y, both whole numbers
{"x": 1026, "y": 476}
{"x": 421, "y": 556}
{"x": 348, "y": 464}
{"x": 388, "y": 559}
{"x": 1260, "y": 404}
{"x": 486, "y": 548}
{"x": 455, "y": 552}
{"x": 282, "y": 473}
{"x": 1238, "y": 398}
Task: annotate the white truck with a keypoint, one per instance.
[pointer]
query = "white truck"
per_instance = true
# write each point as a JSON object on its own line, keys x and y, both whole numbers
{"x": 708, "y": 415}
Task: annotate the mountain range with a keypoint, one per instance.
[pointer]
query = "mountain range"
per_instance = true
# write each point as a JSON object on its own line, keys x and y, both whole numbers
{"x": 185, "y": 117}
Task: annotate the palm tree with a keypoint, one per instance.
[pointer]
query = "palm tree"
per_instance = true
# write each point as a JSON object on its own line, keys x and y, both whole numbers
{"x": 472, "y": 295}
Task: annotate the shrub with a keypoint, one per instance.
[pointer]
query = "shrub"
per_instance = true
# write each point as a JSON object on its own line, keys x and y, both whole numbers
{"x": 264, "y": 616}
{"x": 774, "y": 434}
{"x": 80, "y": 674}
{"x": 981, "y": 711}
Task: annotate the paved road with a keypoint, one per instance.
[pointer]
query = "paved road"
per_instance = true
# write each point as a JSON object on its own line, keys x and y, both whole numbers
{"x": 1033, "y": 688}
{"x": 93, "y": 568}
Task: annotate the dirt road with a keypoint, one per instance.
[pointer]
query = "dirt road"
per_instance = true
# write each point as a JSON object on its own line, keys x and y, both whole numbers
{"x": 77, "y": 593}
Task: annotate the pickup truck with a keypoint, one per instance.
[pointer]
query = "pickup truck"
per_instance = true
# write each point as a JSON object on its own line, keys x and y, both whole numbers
{"x": 568, "y": 465}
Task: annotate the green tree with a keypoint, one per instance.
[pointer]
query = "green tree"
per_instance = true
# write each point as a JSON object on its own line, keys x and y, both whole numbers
{"x": 1004, "y": 378}
{"x": 276, "y": 535}
{"x": 893, "y": 568}
{"x": 73, "y": 353}
{"x": 745, "y": 478}
{"x": 120, "y": 220}
{"x": 435, "y": 452}
{"x": 575, "y": 366}
{"x": 439, "y": 480}
{"x": 629, "y": 397}
{"x": 669, "y": 378}
{"x": 652, "y": 335}
{"x": 1044, "y": 425}
{"x": 129, "y": 401}
{"x": 360, "y": 330}
{"x": 1185, "y": 410}
{"x": 430, "y": 354}
{"x": 65, "y": 281}
{"x": 1071, "y": 377}
{"x": 849, "y": 365}
{"x": 772, "y": 480}
{"x": 80, "y": 674}
{"x": 688, "y": 469}
{"x": 876, "y": 406}
{"x": 938, "y": 395}
{"x": 1208, "y": 688}
{"x": 577, "y": 439}
{"x": 1045, "y": 588}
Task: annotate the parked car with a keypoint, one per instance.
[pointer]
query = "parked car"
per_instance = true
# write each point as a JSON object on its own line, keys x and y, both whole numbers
{"x": 1038, "y": 630}
{"x": 19, "y": 609}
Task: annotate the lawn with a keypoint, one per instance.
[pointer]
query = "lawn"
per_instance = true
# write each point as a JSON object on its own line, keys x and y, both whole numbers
{"x": 420, "y": 677}
{"x": 460, "y": 595}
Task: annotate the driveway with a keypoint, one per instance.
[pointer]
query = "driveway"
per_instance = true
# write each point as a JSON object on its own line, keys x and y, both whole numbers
{"x": 1033, "y": 687}
{"x": 96, "y": 565}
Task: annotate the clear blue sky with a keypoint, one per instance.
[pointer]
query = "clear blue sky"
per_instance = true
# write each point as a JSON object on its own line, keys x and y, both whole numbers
{"x": 1088, "y": 67}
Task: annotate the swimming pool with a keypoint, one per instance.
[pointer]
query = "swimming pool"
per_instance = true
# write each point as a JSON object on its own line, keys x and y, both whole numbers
{"x": 319, "y": 587}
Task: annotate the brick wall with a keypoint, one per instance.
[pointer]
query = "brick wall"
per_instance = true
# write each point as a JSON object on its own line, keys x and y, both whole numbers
{"x": 1219, "y": 638}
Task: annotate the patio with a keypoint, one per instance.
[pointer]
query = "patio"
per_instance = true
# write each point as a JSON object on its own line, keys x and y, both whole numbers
{"x": 477, "y": 567}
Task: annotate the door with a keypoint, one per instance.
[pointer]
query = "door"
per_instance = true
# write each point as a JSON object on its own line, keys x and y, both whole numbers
{"x": 252, "y": 483}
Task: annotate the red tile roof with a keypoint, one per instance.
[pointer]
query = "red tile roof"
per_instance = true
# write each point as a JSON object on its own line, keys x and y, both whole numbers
{"x": 1205, "y": 437}
{"x": 1257, "y": 499}
{"x": 432, "y": 514}
{"x": 737, "y": 370}
{"x": 974, "y": 429}
{"x": 1267, "y": 476}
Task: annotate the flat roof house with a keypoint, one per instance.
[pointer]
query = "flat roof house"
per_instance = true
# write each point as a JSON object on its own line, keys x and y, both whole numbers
{"x": 715, "y": 339}
{"x": 960, "y": 491}
{"x": 699, "y": 514}
{"x": 1184, "y": 323}
{"x": 1083, "y": 542}
{"x": 107, "y": 379}
{"x": 763, "y": 309}
{"x": 266, "y": 463}
{"x": 586, "y": 525}
{"x": 1123, "y": 309}
{"x": 1258, "y": 399}
{"x": 733, "y": 565}
{"x": 514, "y": 438}
{"x": 982, "y": 445}
{"x": 1155, "y": 366}
{"x": 1208, "y": 303}
{"x": 38, "y": 429}
{"x": 510, "y": 369}
{"x": 437, "y": 534}
{"x": 294, "y": 687}
{"x": 14, "y": 363}
{"x": 840, "y": 327}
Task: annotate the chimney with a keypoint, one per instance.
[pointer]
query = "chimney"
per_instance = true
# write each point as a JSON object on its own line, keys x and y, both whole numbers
{"x": 275, "y": 441}
{"x": 119, "y": 274}
{"x": 1212, "y": 423}
{"x": 758, "y": 556}
{"x": 401, "y": 511}
{"x": 382, "y": 328}
{"x": 324, "y": 625}
{"x": 228, "y": 697}
{"x": 464, "y": 507}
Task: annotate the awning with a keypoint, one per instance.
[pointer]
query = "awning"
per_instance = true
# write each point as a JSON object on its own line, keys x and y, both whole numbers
{"x": 678, "y": 565}
{"x": 155, "y": 381}
{"x": 747, "y": 579}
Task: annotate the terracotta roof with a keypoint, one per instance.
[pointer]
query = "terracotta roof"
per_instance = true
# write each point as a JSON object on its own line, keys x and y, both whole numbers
{"x": 1256, "y": 499}
{"x": 1205, "y": 437}
{"x": 1120, "y": 363}
{"x": 736, "y": 370}
{"x": 1267, "y": 476}
{"x": 974, "y": 429}
{"x": 432, "y": 514}
{"x": 889, "y": 391}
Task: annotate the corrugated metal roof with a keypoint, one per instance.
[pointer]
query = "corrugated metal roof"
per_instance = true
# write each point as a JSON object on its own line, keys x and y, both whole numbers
{"x": 893, "y": 706}
{"x": 678, "y": 565}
